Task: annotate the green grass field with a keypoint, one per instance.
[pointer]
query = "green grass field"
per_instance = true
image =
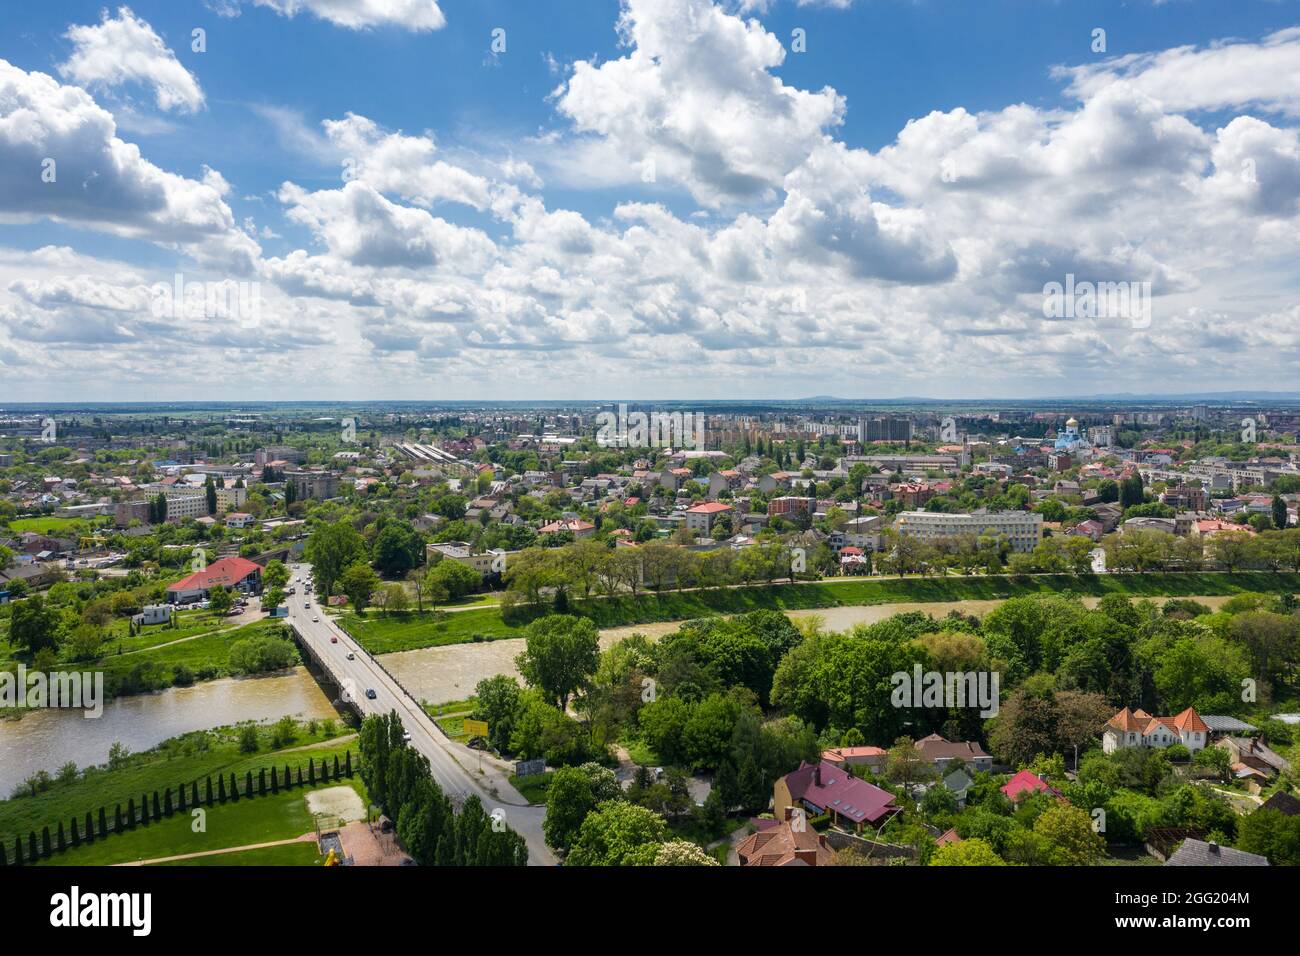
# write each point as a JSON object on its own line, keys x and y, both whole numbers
{"x": 53, "y": 526}
{"x": 186, "y": 759}
{"x": 242, "y": 822}
{"x": 533, "y": 787}
{"x": 386, "y": 633}
{"x": 291, "y": 854}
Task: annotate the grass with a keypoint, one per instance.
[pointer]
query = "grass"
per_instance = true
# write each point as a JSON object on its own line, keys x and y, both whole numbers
{"x": 191, "y": 757}
{"x": 291, "y": 854}
{"x": 640, "y": 753}
{"x": 49, "y": 525}
{"x": 534, "y": 786}
{"x": 242, "y": 822}
{"x": 387, "y": 633}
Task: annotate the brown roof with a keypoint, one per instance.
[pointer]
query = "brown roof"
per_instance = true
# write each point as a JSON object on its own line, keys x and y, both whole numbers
{"x": 781, "y": 846}
{"x": 935, "y": 747}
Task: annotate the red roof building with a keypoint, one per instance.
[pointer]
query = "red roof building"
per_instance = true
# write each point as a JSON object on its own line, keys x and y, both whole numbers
{"x": 823, "y": 787}
{"x": 1025, "y": 783}
{"x": 230, "y": 573}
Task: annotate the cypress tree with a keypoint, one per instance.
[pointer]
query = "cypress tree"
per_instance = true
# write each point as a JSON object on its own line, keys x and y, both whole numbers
{"x": 261, "y": 780}
{"x": 59, "y": 841}
{"x": 167, "y": 801}
{"x": 31, "y": 846}
{"x": 90, "y": 828}
{"x": 207, "y": 791}
{"x": 157, "y": 810}
{"x": 275, "y": 782}
{"x": 47, "y": 846}
{"x": 194, "y": 793}
{"x": 248, "y": 784}
{"x": 3, "y": 856}
{"x": 76, "y": 834}
{"x": 130, "y": 812}
{"x": 300, "y": 775}
{"x": 117, "y": 818}
{"x": 103, "y": 823}
{"x": 144, "y": 807}
{"x": 221, "y": 789}
{"x": 18, "y": 851}
{"x": 336, "y": 766}
{"x": 234, "y": 786}
{"x": 311, "y": 770}
{"x": 347, "y": 766}
{"x": 180, "y": 799}
{"x": 288, "y": 780}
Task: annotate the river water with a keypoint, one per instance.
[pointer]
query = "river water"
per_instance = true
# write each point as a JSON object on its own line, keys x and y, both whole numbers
{"x": 45, "y": 740}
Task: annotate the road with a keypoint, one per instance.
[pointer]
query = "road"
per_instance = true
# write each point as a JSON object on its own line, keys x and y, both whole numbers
{"x": 459, "y": 771}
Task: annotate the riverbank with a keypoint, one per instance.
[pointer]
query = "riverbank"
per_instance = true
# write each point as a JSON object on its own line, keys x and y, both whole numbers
{"x": 390, "y": 633}
{"x": 185, "y": 759}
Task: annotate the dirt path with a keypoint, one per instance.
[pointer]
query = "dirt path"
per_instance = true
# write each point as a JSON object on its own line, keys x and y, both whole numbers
{"x": 305, "y": 838}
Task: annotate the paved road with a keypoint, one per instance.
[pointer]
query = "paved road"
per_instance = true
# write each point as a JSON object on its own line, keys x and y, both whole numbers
{"x": 460, "y": 771}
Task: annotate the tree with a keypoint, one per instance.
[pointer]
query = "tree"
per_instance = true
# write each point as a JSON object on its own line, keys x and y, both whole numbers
{"x": 220, "y": 600}
{"x": 454, "y": 578}
{"x": 1272, "y": 834}
{"x": 331, "y": 549}
{"x": 276, "y": 575}
{"x": 682, "y": 853}
{"x": 1280, "y": 516}
{"x": 971, "y": 852}
{"x": 569, "y": 798}
{"x": 34, "y": 625}
{"x": 1070, "y": 838}
{"x": 210, "y": 494}
{"x": 617, "y": 833}
{"x": 359, "y": 582}
{"x": 397, "y": 549}
{"x": 560, "y": 653}
{"x": 497, "y": 701}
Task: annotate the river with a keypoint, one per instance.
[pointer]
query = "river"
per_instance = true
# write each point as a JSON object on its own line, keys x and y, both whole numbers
{"x": 48, "y": 739}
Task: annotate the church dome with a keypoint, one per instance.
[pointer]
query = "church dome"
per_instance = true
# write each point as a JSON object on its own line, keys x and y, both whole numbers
{"x": 1072, "y": 423}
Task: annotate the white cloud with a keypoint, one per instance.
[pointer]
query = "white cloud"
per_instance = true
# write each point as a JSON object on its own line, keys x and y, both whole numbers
{"x": 415, "y": 15}
{"x": 126, "y": 50}
{"x": 60, "y": 158}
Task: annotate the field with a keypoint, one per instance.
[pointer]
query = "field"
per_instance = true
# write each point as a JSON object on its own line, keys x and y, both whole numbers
{"x": 192, "y": 757}
{"x": 385, "y": 633}
{"x": 244, "y": 822}
{"x": 52, "y": 526}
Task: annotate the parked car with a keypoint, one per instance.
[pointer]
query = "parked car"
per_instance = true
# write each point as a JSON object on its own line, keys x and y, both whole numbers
{"x": 333, "y": 640}
{"x": 351, "y": 656}
{"x": 370, "y": 693}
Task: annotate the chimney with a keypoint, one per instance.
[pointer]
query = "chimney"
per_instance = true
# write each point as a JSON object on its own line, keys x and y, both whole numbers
{"x": 817, "y": 774}
{"x": 1213, "y": 847}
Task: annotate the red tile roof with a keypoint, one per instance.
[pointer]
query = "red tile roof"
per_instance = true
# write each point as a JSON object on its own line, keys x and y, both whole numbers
{"x": 825, "y": 785}
{"x": 1025, "y": 783}
{"x": 224, "y": 573}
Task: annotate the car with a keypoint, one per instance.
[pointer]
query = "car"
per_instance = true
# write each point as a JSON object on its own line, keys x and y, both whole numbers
{"x": 306, "y": 604}
{"x": 351, "y": 656}
{"x": 333, "y": 640}
{"x": 406, "y": 736}
{"x": 370, "y": 693}
{"x": 315, "y": 619}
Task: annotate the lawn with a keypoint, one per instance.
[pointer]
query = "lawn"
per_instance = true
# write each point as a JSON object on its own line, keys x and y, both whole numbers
{"x": 534, "y": 786}
{"x": 234, "y": 823}
{"x": 385, "y": 633}
{"x": 50, "y": 525}
{"x": 192, "y": 757}
{"x": 290, "y": 854}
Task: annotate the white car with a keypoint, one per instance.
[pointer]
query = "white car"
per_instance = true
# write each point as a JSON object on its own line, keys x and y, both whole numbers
{"x": 315, "y": 619}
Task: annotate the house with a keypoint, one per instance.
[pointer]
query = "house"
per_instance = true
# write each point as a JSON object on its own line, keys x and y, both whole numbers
{"x": 779, "y": 844}
{"x": 1283, "y": 803}
{"x": 873, "y": 757}
{"x": 153, "y": 614}
{"x": 1137, "y": 728}
{"x": 823, "y": 787}
{"x": 1252, "y": 760}
{"x": 230, "y": 573}
{"x": 238, "y": 519}
{"x": 701, "y": 517}
{"x": 575, "y": 526}
{"x": 959, "y": 783}
{"x": 940, "y": 752}
{"x": 1025, "y": 783}
{"x": 1200, "y": 853}
{"x": 949, "y": 836}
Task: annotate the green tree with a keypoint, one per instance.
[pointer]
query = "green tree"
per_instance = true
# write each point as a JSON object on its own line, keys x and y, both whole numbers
{"x": 359, "y": 583}
{"x": 569, "y": 798}
{"x": 617, "y": 833}
{"x": 561, "y": 653}
{"x": 971, "y": 852}
{"x": 331, "y": 549}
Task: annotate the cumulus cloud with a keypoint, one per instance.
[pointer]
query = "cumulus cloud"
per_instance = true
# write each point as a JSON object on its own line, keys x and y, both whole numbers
{"x": 60, "y": 158}
{"x": 415, "y": 15}
{"x": 126, "y": 50}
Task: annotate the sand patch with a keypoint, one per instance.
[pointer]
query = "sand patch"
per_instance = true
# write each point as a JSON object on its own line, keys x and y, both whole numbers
{"x": 336, "y": 803}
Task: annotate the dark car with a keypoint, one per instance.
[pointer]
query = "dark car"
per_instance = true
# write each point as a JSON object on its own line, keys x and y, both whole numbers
{"x": 370, "y": 693}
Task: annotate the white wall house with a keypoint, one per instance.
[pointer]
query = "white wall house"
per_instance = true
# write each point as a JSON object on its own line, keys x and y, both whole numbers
{"x": 1137, "y": 728}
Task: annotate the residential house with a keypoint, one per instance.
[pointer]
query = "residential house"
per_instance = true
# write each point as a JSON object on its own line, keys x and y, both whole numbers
{"x": 778, "y": 843}
{"x": 1025, "y": 783}
{"x": 940, "y": 752}
{"x": 231, "y": 573}
{"x": 1200, "y": 853}
{"x": 700, "y": 518}
{"x": 1137, "y": 728}
{"x": 823, "y": 787}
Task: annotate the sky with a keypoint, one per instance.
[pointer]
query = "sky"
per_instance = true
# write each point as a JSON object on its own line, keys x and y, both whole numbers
{"x": 674, "y": 199}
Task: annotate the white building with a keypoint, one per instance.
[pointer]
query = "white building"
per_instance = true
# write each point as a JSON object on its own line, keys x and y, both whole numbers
{"x": 1023, "y": 529}
{"x": 1137, "y": 728}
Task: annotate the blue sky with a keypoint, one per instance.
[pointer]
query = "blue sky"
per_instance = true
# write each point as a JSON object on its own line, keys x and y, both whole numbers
{"x": 819, "y": 250}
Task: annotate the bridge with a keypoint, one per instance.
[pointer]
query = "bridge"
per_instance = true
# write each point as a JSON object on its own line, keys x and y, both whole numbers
{"x": 459, "y": 771}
